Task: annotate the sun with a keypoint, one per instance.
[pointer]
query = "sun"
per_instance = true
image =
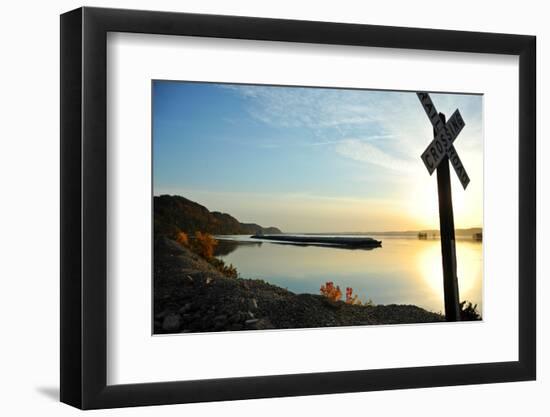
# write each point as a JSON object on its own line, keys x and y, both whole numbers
{"x": 423, "y": 205}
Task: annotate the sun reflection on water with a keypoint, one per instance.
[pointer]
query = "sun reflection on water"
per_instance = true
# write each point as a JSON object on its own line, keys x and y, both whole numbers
{"x": 469, "y": 264}
{"x": 403, "y": 271}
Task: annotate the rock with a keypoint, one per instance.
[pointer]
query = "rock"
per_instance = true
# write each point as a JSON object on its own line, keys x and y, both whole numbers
{"x": 171, "y": 323}
{"x": 251, "y": 322}
{"x": 221, "y": 318}
{"x": 208, "y": 320}
{"x": 221, "y": 323}
{"x": 186, "y": 308}
{"x": 194, "y": 326}
{"x": 235, "y": 318}
{"x": 264, "y": 323}
{"x": 258, "y": 324}
{"x": 209, "y": 280}
{"x": 161, "y": 315}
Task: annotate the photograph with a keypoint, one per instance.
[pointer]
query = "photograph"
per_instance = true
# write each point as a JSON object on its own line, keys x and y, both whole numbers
{"x": 291, "y": 207}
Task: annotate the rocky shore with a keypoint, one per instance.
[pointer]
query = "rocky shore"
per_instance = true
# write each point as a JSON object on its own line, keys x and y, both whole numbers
{"x": 190, "y": 295}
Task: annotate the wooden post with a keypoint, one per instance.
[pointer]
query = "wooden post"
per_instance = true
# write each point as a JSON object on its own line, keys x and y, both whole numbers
{"x": 447, "y": 230}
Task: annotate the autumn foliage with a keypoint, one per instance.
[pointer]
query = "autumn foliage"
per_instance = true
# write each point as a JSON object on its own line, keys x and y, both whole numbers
{"x": 351, "y": 298}
{"x": 334, "y": 293}
{"x": 182, "y": 238}
{"x": 204, "y": 244}
{"x": 331, "y": 292}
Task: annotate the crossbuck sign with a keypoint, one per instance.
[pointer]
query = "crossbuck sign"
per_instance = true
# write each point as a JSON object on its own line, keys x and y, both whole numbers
{"x": 442, "y": 144}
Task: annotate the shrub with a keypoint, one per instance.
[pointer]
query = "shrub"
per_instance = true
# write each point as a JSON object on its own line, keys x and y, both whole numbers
{"x": 204, "y": 244}
{"x": 468, "y": 311}
{"x": 369, "y": 303}
{"x": 351, "y": 298}
{"x": 330, "y": 291}
{"x": 228, "y": 270}
{"x": 333, "y": 293}
{"x": 182, "y": 238}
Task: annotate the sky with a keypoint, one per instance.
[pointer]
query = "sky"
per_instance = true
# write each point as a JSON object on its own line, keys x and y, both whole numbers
{"x": 311, "y": 159}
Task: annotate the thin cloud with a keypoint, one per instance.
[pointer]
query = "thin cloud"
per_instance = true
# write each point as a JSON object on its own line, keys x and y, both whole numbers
{"x": 306, "y": 107}
{"x": 362, "y": 151}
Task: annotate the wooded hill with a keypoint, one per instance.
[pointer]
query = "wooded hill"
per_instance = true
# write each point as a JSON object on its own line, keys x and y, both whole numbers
{"x": 175, "y": 213}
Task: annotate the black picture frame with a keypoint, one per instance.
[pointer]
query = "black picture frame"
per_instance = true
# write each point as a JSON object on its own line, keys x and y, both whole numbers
{"x": 84, "y": 207}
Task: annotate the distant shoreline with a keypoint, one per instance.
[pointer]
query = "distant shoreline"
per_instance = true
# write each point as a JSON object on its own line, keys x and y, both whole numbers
{"x": 458, "y": 232}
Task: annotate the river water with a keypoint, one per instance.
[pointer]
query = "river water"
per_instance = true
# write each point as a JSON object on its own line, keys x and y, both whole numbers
{"x": 405, "y": 270}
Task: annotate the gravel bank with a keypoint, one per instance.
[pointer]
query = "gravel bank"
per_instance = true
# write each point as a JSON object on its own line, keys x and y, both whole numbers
{"x": 192, "y": 296}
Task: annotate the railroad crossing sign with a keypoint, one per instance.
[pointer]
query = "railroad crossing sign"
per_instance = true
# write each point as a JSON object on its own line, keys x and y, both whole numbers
{"x": 442, "y": 144}
{"x": 437, "y": 156}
